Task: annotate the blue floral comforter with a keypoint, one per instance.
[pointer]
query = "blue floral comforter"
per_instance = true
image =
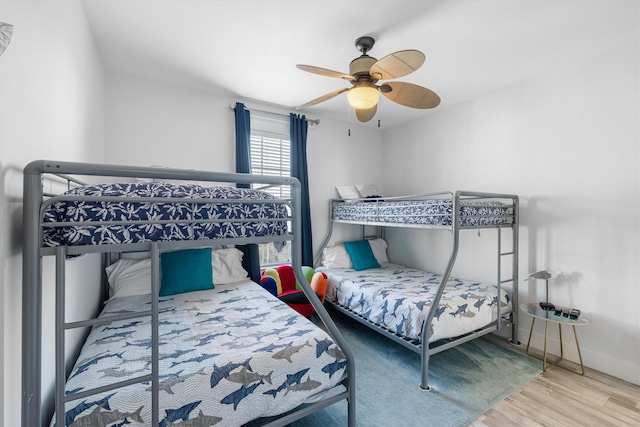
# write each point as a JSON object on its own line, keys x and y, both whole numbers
{"x": 227, "y": 356}
{"x": 432, "y": 212}
{"x": 147, "y": 214}
{"x": 399, "y": 298}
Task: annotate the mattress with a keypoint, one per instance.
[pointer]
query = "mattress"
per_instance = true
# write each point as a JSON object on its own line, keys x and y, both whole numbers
{"x": 431, "y": 212}
{"x": 227, "y": 356}
{"x": 250, "y": 219}
{"x": 398, "y": 298}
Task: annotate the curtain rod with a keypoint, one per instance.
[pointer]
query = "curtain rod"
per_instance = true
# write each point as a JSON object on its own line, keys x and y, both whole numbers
{"x": 314, "y": 121}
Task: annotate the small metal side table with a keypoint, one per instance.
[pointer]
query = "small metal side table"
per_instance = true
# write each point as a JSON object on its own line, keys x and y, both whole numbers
{"x": 536, "y": 312}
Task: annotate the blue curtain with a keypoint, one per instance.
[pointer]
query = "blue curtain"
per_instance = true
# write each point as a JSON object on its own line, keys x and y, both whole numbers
{"x": 243, "y": 141}
{"x": 298, "y": 134}
{"x": 251, "y": 258}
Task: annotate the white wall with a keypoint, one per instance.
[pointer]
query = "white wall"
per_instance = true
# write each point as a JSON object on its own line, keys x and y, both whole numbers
{"x": 335, "y": 158}
{"x": 150, "y": 123}
{"x": 568, "y": 144}
{"x": 51, "y": 107}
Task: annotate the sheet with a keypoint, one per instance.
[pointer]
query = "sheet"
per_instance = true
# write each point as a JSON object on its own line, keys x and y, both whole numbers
{"x": 435, "y": 212}
{"x": 398, "y": 298}
{"x": 75, "y": 211}
{"x": 227, "y": 356}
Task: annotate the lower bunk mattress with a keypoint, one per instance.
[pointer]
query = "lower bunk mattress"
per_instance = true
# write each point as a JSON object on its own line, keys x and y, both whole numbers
{"x": 398, "y": 298}
{"x": 227, "y": 356}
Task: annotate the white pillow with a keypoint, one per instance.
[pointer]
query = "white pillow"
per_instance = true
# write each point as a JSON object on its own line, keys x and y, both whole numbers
{"x": 368, "y": 190}
{"x": 227, "y": 266}
{"x": 379, "y": 248}
{"x": 347, "y": 192}
{"x": 128, "y": 277}
{"x": 336, "y": 257}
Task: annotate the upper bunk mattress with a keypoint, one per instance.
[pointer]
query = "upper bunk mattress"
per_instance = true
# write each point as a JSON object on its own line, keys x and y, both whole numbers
{"x": 429, "y": 212}
{"x": 227, "y": 356}
{"x": 269, "y": 219}
{"x": 399, "y": 298}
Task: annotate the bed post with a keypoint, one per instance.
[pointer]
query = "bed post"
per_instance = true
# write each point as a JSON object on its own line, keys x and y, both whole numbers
{"x": 31, "y": 296}
{"x": 296, "y": 262}
{"x": 325, "y": 242}
{"x": 515, "y": 226}
{"x": 426, "y": 325}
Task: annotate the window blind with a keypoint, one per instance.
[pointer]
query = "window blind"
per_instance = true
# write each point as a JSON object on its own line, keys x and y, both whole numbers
{"x": 271, "y": 156}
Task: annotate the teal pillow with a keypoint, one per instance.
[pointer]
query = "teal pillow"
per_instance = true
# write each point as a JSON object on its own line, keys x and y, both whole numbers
{"x": 185, "y": 271}
{"x": 361, "y": 255}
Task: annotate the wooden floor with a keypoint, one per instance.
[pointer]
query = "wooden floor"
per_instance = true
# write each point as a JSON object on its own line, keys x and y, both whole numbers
{"x": 559, "y": 397}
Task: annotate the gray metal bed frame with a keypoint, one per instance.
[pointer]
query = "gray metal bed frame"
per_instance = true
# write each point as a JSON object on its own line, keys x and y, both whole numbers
{"x": 455, "y": 199}
{"x": 33, "y": 251}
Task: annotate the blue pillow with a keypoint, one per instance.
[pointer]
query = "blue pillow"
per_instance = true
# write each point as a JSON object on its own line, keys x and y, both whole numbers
{"x": 185, "y": 271}
{"x": 361, "y": 255}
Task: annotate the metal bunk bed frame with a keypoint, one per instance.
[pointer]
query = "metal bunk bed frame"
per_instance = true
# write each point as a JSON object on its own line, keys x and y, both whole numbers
{"x": 456, "y": 199}
{"x": 33, "y": 250}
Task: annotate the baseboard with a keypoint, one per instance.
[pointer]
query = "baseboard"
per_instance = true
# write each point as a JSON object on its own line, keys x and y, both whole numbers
{"x": 625, "y": 371}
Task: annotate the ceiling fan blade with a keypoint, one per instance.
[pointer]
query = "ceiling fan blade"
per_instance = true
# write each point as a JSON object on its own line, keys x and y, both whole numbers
{"x": 6, "y": 30}
{"x": 411, "y": 95}
{"x": 397, "y": 64}
{"x": 324, "y": 72}
{"x": 324, "y": 98}
{"x": 366, "y": 115}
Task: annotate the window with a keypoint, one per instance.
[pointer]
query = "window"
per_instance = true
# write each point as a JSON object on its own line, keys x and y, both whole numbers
{"x": 271, "y": 155}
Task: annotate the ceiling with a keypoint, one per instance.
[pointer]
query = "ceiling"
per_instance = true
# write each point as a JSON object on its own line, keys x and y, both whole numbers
{"x": 249, "y": 48}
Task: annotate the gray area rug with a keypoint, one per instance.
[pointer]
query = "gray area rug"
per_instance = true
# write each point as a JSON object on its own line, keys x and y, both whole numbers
{"x": 466, "y": 380}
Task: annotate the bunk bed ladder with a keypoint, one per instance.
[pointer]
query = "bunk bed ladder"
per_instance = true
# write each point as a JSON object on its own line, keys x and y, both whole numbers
{"x": 515, "y": 242}
{"x": 62, "y": 326}
{"x": 513, "y": 253}
{"x": 499, "y": 280}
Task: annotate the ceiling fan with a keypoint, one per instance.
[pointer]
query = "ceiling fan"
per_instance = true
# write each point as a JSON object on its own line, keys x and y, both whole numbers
{"x": 366, "y": 71}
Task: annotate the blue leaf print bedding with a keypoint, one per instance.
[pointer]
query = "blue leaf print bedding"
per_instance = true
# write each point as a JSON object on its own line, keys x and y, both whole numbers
{"x": 227, "y": 356}
{"x": 433, "y": 212}
{"x": 399, "y": 298}
{"x": 231, "y": 214}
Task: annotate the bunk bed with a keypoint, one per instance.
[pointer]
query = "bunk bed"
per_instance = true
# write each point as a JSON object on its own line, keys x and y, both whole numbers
{"x": 175, "y": 343}
{"x": 424, "y": 311}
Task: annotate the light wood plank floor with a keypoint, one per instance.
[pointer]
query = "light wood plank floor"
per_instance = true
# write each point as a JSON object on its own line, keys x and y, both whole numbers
{"x": 559, "y": 397}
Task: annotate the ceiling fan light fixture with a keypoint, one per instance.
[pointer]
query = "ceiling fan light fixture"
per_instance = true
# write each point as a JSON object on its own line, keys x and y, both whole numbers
{"x": 365, "y": 71}
{"x": 363, "y": 97}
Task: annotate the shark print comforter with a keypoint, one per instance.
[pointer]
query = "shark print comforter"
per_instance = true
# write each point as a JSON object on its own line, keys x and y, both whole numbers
{"x": 227, "y": 356}
{"x": 398, "y": 298}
